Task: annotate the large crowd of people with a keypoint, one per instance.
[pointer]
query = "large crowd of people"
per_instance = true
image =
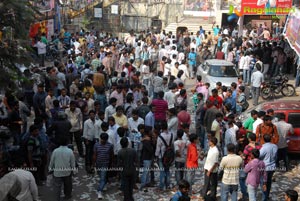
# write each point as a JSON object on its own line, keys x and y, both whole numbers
{"x": 123, "y": 106}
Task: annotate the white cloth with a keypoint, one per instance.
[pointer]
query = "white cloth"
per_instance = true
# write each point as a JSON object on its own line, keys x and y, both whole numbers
{"x": 29, "y": 190}
{"x": 212, "y": 158}
{"x": 256, "y": 123}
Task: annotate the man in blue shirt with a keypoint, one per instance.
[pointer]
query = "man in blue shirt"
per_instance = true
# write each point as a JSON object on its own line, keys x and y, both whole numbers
{"x": 149, "y": 118}
{"x": 192, "y": 62}
{"x": 268, "y": 154}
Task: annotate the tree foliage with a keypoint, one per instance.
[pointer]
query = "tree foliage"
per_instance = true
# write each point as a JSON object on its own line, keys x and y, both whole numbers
{"x": 15, "y": 19}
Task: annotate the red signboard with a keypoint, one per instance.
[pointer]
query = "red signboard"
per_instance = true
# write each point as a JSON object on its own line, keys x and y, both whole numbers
{"x": 266, "y": 7}
{"x": 292, "y": 30}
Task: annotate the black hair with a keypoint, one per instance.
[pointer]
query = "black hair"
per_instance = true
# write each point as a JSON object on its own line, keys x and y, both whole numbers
{"x": 214, "y": 140}
{"x": 292, "y": 194}
{"x": 104, "y": 126}
{"x": 252, "y": 137}
{"x": 193, "y": 137}
{"x": 231, "y": 148}
{"x": 180, "y": 133}
{"x": 267, "y": 138}
{"x": 254, "y": 112}
{"x": 183, "y": 184}
{"x": 164, "y": 125}
{"x": 124, "y": 142}
{"x": 267, "y": 118}
{"x": 261, "y": 114}
{"x": 121, "y": 131}
{"x": 104, "y": 136}
{"x": 255, "y": 153}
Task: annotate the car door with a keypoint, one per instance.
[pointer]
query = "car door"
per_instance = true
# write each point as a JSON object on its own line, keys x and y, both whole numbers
{"x": 294, "y": 140}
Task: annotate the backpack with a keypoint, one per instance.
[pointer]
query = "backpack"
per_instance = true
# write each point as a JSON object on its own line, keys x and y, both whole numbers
{"x": 245, "y": 105}
{"x": 169, "y": 155}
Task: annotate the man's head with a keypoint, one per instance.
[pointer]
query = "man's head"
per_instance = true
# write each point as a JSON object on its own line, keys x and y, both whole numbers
{"x": 270, "y": 112}
{"x": 255, "y": 153}
{"x": 103, "y": 138}
{"x": 113, "y": 101}
{"x": 34, "y": 130}
{"x": 119, "y": 110}
{"x": 254, "y": 114}
{"x": 291, "y": 195}
{"x": 193, "y": 138}
{"x": 72, "y": 105}
{"x": 92, "y": 114}
{"x": 135, "y": 114}
{"x": 184, "y": 187}
{"x": 213, "y": 141}
{"x": 267, "y": 138}
{"x": 267, "y": 120}
{"x": 231, "y": 148}
{"x": 252, "y": 137}
{"x": 219, "y": 116}
{"x": 124, "y": 142}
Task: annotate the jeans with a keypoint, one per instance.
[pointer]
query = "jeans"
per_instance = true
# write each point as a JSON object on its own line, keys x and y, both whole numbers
{"x": 164, "y": 177}
{"x": 266, "y": 69}
{"x": 190, "y": 176}
{"x": 89, "y": 149}
{"x": 58, "y": 182}
{"x": 282, "y": 155}
{"x": 246, "y": 76}
{"x": 191, "y": 70}
{"x": 278, "y": 69}
{"x": 242, "y": 181}
{"x": 252, "y": 192}
{"x": 200, "y": 131}
{"x": 256, "y": 94}
{"x": 102, "y": 172}
{"x": 128, "y": 187}
{"x": 77, "y": 136}
{"x": 226, "y": 189}
{"x": 145, "y": 179}
{"x": 269, "y": 185}
{"x": 179, "y": 171}
{"x": 210, "y": 183}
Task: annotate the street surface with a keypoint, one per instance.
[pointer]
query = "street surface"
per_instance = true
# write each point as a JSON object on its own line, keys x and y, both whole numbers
{"x": 84, "y": 186}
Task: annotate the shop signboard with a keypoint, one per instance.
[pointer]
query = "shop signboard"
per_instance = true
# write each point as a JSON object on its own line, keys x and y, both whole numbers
{"x": 292, "y": 30}
{"x": 266, "y": 7}
{"x": 203, "y": 8}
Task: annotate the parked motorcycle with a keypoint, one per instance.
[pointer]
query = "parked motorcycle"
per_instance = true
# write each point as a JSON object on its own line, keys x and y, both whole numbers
{"x": 277, "y": 85}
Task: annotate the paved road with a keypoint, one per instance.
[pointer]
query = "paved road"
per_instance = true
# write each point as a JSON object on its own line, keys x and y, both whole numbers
{"x": 84, "y": 186}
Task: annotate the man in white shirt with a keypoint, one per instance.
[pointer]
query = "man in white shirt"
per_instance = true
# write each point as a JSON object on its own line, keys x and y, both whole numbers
{"x": 257, "y": 79}
{"x": 24, "y": 180}
{"x": 283, "y": 129}
{"x": 230, "y": 136}
{"x": 185, "y": 70}
{"x": 211, "y": 170}
{"x": 259, "y": 120}
{"x": 111, "y": 109}
{"x": 75, "y": 117}
{"x": 41, "y": 52}
{"x": 91, "y": 127}
{"x": 170, "y": 95}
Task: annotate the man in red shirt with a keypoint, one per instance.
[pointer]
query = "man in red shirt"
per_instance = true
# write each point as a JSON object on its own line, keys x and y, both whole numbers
{"x": 220, "y": 54}
{"x": 183, "y": 117}
{"x": 215, "y": 99}
{"x": 161, "y": 107}
{"x": 192, "y": 159}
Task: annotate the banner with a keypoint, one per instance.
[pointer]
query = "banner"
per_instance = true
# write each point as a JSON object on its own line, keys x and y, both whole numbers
{"x": 292, "y": 30}
{"x": 266, "y": 7}
{"x": 203, "y": 8}
{"x": 46, "y": 26}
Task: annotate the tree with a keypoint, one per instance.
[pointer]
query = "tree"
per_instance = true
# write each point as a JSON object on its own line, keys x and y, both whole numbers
{"x": 15, "y": 19}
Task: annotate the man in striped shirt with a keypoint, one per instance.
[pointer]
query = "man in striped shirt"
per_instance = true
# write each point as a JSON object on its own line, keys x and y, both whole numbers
{"x": 103, "y": 155}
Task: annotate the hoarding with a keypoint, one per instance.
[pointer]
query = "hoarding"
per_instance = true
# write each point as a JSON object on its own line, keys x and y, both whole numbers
{"x": 46, "y": 26}
{"x": 203, "y": 8}
{"x": 266, "y": 7}
{"x": 292, "y": 30}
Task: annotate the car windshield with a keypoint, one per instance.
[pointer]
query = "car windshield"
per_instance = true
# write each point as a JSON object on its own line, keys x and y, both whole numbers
{"x": 222, "y": 71}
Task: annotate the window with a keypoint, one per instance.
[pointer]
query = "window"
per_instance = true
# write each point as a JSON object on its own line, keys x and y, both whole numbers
{"x": 293, "y": 119}
{"x": 222, "y": 71}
